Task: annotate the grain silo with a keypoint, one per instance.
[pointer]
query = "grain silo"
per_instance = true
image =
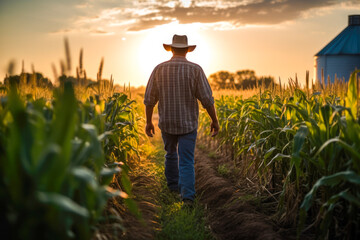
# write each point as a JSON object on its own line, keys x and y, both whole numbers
{"x": 342, "y": 55}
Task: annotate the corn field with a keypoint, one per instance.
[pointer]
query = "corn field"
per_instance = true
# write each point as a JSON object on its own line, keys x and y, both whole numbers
{"x": 303, "y": 146}
{"x": 64, "y": 153}
{"x": 58, "y": 157}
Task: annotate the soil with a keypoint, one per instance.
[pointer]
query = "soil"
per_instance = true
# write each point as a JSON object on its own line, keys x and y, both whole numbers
{"x": 145, "y": 191}
{"x": 234, "y": 208}
{"x": 230, "y": 213}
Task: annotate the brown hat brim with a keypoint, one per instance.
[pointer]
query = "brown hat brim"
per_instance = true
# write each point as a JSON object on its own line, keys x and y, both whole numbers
{"x": 169, "y": 46}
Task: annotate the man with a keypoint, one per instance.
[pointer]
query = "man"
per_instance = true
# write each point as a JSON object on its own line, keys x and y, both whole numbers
{"x": 177, "y": 84}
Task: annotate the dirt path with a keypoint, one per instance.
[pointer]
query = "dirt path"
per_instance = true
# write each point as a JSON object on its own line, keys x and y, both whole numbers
{"x": 227, "y": 209}
{"x": 229, "y": 216}
{"x": 120, "y": 222}
{"x": 146, "y": 189}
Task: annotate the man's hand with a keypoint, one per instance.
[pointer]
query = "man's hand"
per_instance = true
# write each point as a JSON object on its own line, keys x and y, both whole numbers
{"x": 149, "y": 129}
{"x": 215, "y": 123}
{"x": 214, "y": 128}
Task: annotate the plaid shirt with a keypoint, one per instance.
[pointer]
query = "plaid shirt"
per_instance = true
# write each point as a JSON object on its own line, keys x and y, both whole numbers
{"x": 177, "y": 84}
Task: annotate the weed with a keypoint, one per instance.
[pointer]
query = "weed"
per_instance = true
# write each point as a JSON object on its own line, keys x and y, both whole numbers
{"x": 223, "y": 170}
{"x": 212, "y": 155}
{"x": 183, "y": 223}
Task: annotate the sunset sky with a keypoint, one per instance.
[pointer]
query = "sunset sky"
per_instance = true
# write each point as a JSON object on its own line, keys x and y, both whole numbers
{"x": 275, "y": 37}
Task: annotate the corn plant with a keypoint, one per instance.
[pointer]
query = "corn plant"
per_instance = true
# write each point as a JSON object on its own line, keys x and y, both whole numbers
{"x": 53, "y": 164}
{"x": 339, "y": 208}
{"x": 307, "y": 144}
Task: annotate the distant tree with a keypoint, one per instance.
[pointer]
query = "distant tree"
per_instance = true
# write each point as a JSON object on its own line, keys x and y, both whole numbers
{"x": 245, "y": 74}
{"x": 267, "y": 81}
{"x": 63, "y": 78}
{"x": 222, "y": 79}
{"x": 242, "y": 79}
{"x": 245, "y": 79}
{"x": 36, "y": 79}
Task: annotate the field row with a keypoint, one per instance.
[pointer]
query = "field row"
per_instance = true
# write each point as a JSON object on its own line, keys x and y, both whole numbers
{"x": 58, "y": 157}
{"x": 304, "y": 145}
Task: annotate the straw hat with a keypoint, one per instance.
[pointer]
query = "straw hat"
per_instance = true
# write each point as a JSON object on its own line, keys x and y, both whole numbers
{"x": 179, "y": 41}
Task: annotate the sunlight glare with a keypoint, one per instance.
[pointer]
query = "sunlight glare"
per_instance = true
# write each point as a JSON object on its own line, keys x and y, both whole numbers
{"x": 151, "y": 51}
{"x": 186, "y": 3}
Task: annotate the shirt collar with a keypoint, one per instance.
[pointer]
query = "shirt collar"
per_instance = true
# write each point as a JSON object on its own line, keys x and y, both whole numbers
{"x": 177, "y": 57}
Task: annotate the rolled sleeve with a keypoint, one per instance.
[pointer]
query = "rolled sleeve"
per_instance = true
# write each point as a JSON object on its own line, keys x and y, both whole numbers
{"x": 151, "y": 92}
{"x": 203, "y": 90}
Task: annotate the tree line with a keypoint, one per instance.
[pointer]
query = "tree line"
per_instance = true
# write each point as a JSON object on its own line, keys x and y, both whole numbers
{"x": 38, "y": 80}
{"x": 242, "y": 79}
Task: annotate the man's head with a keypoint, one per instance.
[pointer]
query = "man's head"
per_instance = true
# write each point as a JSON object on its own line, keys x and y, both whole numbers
{"x": 179, "y": 51}
{"x": 179, "y": 45}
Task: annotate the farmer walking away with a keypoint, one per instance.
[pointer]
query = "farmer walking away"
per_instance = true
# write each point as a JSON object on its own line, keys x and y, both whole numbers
{"x": 177, "y": 84}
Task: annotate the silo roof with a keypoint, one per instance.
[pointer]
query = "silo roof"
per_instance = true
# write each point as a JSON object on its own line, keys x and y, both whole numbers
{"x": 347, "y": 42}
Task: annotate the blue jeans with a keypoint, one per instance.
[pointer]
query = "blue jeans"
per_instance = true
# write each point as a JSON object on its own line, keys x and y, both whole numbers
{"x": 179, "y": 163}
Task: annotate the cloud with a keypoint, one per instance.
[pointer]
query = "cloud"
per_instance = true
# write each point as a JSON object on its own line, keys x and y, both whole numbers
{"x": 92, "y": 31}
{"x": 228, "y": 14}
{"x": 100, "y": 31}
{"x": 237, "y": 13}
{"x": 147, "y": 24}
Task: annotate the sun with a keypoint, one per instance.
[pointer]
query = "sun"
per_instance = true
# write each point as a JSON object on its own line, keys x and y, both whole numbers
{"x": 151, "y": 51}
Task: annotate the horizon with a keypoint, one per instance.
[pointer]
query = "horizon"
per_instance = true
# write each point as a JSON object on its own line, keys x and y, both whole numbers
{"x": 273, "y": 38}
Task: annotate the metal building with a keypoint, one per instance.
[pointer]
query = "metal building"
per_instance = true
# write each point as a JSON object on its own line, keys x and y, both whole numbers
{"x": 342, "y": 55}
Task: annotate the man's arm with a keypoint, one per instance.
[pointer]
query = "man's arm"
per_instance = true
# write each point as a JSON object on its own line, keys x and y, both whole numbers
{"x": 204, "y": 94}
{"x": 150, "y": 99}
{"x": 215, "y": 123}
{"x": 149, "y": 129}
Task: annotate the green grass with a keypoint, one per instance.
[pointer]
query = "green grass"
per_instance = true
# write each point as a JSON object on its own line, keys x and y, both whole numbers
{"x": 212, "y": 155}
{"x": 177, "y": 221}
{"x": 223, "y": 170}
{"x": 183, "y": 222}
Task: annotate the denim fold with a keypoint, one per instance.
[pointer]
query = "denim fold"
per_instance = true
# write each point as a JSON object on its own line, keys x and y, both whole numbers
{"x": 179, "y": 163}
